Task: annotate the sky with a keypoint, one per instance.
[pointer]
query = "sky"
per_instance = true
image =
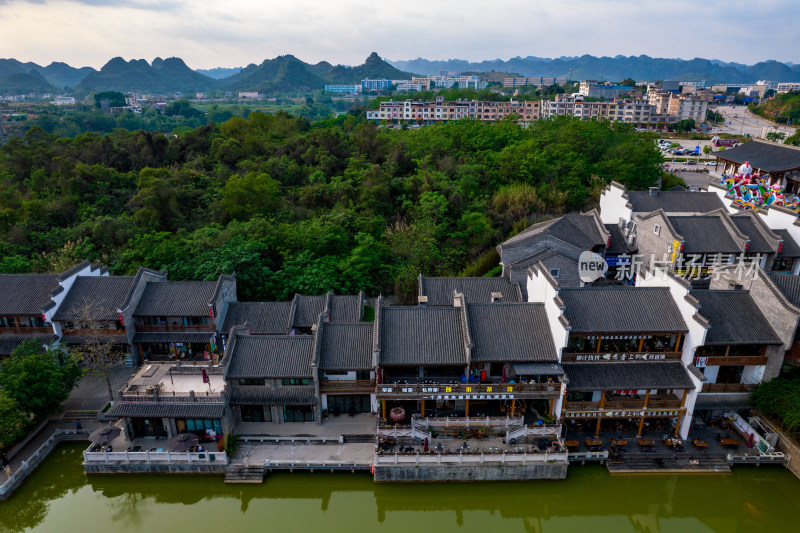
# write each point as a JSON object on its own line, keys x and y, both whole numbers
{"x": 231, "y": 33}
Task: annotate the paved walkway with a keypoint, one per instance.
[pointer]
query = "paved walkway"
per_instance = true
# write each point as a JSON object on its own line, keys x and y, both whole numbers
{"x": 361, "y": 454}
{"x": 364, "y": 423}
{"x": 90, "y": 395}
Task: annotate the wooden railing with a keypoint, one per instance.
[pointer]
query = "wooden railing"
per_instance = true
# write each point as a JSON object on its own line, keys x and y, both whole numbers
{"x": 427, "y": 389}
{"x": 615, "y": 405}
{"x": 329, "y": 386}
{"x": 101, "y": 332}
{"x": 591, "y": 357}
{"x": 18, "y": 330}
{"x": 727, "y": 387}
{"x": 735, "y": 361}
{"x": 156, "y": 328}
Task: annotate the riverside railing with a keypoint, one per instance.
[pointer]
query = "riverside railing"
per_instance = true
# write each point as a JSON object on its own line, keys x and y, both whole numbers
{"x": 523, "y": 458}
{"x": 151, "y": 457}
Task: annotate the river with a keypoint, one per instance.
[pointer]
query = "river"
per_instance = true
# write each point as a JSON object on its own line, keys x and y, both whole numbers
{"x": 60, "y": 498}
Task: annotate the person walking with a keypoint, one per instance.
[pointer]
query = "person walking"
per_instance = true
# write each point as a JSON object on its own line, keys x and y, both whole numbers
{"x": 3, "y": 460}
{"x": 78, "y": 425}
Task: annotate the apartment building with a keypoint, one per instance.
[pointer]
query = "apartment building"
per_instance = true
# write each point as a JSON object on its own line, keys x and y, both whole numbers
{"x": 343, "y": 89}
{"x": 445, "y": 111}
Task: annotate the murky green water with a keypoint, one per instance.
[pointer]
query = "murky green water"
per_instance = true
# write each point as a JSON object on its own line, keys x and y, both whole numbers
{"x": 60, "y": 498}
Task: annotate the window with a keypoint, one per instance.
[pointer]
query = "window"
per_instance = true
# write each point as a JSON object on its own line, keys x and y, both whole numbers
{"x": 295, "y": 381}
{"x": 252, "y": 413}
{"x": 555, "y": 272}
{"x": 298, "y": 413}
{"x": 251, "y": 381}
{"x": 657, "y": 229}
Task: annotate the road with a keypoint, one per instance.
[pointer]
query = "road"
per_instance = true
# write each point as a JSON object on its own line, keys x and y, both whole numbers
{"x": 740, "y": 121}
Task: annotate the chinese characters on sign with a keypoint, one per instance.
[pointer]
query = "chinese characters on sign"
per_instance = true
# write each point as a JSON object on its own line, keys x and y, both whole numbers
{"x": 621, "y": 357}
{"x": 624, "y": 413}
{"x": 687, "y": 265}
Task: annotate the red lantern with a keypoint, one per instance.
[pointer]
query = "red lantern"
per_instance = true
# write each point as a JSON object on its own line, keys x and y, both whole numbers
{"x": 121, "y": 320}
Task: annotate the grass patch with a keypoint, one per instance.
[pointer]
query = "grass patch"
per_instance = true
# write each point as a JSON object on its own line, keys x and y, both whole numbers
{"x": 369, "y": 314}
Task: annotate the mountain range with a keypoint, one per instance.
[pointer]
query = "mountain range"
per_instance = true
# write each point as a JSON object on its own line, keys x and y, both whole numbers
{"x": 642, "y": 67}
{"x": 273, "y": 76}
{"x": 288, "y": 73}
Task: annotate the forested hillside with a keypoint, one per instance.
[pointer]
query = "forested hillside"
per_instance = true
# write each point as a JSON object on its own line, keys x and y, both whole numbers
{"x": 293, "y": 206}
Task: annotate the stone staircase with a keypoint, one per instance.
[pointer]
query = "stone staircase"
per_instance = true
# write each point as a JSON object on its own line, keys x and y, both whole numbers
{"x": 654, "y": 463}
{"x": 86, "y": 414}
{"x": 242, "y": 473}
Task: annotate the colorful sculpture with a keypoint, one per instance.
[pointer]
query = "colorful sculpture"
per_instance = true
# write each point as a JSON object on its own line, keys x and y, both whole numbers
{"x": 751, "y": 191}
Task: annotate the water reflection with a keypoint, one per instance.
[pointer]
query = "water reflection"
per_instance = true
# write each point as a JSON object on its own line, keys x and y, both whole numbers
{"x": 589, "y": 500}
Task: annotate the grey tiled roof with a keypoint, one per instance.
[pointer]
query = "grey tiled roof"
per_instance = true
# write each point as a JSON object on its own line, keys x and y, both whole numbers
{"x": 345, "y": 308}
{"x": 8, "y": 343}
{"x": 790, "y": 247}
{"x": 413, "y": 336}
{"x": 176, "y": 298}
{"x": 345, "y": 346}
{"x": 307, "y": 310}
{"x": 712, "y": 401}
{"x": 636, "y": 375}
{"x": 768, "y": 157}
{"x": 735, "y": 318}
{"x": 621, "y": 310}
{"x": 758, "y": 242}
{"x": 166, "y": 410}
{"x": 26, "y": 294}
{"x": 174, "y": 336}
{"x": 789, "y": 285}
{"x": 255, "y": 395}
{"x": 269, "y": 356}
{"x": 674, "y": 202}
{"x": 512, "y": 333}
{"x": 94, "y": 297}
{"x": 618, "y": 244}
{"x": 545, "y": 369}
{"x": 262, "y": 318}
{"x": 705, "y": 234}
{"x": 475, "y": 290}
{"x": 580, "y": 230}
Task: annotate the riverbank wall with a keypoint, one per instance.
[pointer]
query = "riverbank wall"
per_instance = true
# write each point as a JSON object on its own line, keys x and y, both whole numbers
{"x": 788, "y": 447}
{"x": 26, "y": 468}
{"x": 485, "y": 472}
{"x": 154, "y": 468}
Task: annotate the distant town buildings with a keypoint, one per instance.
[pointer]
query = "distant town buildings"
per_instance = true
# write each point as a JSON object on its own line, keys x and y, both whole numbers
{"x": 64, "y": 100}
{"x": 249, "y": 96}
{"x": 376, "y": 85}
{"x": 787, "y": 87}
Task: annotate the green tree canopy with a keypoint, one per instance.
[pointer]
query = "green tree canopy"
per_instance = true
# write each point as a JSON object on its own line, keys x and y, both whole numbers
{"x": 117, "y": 99}
{"x": 38, "y": 379}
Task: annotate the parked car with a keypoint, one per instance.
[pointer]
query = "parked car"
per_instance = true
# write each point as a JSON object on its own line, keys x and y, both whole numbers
{"x": 691, "y": 162}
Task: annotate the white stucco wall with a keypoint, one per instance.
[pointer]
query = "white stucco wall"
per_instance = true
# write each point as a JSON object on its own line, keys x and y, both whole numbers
{"x": 67, "y": 285}
{"x": 612, "y": 205}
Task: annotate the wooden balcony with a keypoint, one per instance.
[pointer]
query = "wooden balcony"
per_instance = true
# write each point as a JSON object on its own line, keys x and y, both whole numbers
{"x": 159, "y": 328}
{"x": 471, "y": 391}
{"x": 619, "y": 357}
{"x": 347, "y": 386}
{"x": 727, "y": 387}
{"x": 17, "y": 330}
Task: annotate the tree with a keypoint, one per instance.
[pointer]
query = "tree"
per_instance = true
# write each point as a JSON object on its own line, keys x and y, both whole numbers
{"x": 628, "y": 82}
{"x": 38, "y": 379}
{"x": 685, "y": 125}
{"x": 97, "y": 355}
{"x": 776, "y": 136}
{"x": 707, "y": 149}
{"x": 253, "y": 194}
{"x": 13, "y": 421}
{"x": 115, "y": 98}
